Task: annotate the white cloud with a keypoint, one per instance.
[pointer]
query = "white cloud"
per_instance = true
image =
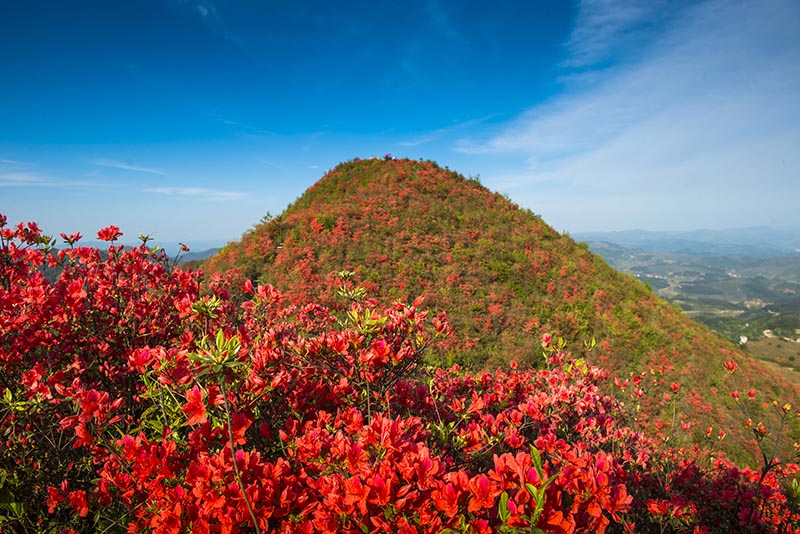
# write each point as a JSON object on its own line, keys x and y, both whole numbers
{"x": 24, "y": 179}
{"x": 13, "y": 162}
{"x": 437, "y": 134}
{"x": 200, "y": 193}
{"x": 9, "y": 179}
{"x": 601, "y": 26}
{"x": 112, "y": 164}
{"x": 706, "y": 118}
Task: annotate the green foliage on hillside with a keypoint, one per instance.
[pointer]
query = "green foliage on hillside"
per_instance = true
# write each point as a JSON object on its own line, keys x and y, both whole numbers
{"x": 503, "y": 276}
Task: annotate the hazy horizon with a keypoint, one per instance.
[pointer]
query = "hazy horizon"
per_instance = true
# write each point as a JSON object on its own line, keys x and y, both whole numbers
{"x": 191, "y": 119}
{"x": 130, "y": 238}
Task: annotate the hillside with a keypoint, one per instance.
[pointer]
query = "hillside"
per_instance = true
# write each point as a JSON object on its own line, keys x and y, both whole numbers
{"x": 735, "y": 296}
{"x": 504, "y": 277}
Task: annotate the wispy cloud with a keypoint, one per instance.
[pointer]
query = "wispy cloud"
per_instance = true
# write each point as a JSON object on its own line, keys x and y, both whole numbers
{"x": 709, "y": 109}
{"x": 413, "y": 62}
{"x": 25, "y": 179}
{"x": 10, "y": 179}
{"x": 247, "y": 128}
{"x": 208, "y": 13}
{"x": 13, "y": 162}
{"x": 269, "y": 163}
{"x": 200, "y": 193}
{"x": 113, "y": 164}
{"x": 601, "y": 26}
{"x": 440, "y": 20}
{"x": 312, "y": 140}
{"x": 439, "y": 133}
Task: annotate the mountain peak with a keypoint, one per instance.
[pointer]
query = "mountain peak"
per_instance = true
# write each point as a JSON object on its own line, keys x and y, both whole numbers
{"x": 504, "y": 278}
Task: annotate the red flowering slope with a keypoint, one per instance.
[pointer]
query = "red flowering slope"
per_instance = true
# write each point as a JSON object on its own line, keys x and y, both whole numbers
{"x": 503, "y": 276}
{"x": 129, "y": 403}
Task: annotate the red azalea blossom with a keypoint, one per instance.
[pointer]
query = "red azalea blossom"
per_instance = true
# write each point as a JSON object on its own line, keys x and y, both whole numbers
{"x": 194, "y": 408}
{"x": 54, "y": 499}
{"x": 110, "y": 233}
{"x": 481, "y": 490}
{"x": 77, "y": 500}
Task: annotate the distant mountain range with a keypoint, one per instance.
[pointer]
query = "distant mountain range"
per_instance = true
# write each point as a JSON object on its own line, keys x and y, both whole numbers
{"x": 199, "y": 250}
{"x": 759, "y": 242}
{"x": 200, "y": 255}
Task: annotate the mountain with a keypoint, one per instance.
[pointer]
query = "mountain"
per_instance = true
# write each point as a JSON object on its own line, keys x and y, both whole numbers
{"x": 756, "y": 242}
{"x": 504, "y": 277}
{"x": 198, "y": 256}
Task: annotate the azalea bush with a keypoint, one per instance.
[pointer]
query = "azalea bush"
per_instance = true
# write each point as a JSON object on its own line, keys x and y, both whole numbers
{"x": 132, "y": 402}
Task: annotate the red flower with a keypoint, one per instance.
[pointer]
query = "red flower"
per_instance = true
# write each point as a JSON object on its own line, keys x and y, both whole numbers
{"x": 381, "y": 490}
{"x": 660, "y": 507}
{"x": 195, "y": 409}
{"x": 730, "y": 365}
{"x": 442, "y": 325}
{"x": 546, "y": 338}
{"x": 71, "y": 239}
{"x": 110, "y": 233}
{"x": 54, "y": 499}
{"x": 446, "y": 499}
{"x": 139, "y": 359}
{"x": 76, "y": 291}
{"x": 77, "y": 499}
{"x": 239, "y": 425}
{"x": 247, "y": 287}
{"x": 480, "y": 487}
{"x": 356, "y": 494}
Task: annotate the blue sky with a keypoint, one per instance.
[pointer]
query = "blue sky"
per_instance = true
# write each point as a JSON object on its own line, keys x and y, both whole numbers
{"x": 190, "y": 120}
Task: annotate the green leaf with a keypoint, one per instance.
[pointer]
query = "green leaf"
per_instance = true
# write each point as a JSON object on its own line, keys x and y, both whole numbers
{"x": 502, "y": 508}
{"x": 18, "y": 508}
{"x": 537, "y": 459}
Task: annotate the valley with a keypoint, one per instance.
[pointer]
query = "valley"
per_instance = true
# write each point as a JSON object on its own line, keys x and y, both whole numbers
{"x": 749, "y": 300}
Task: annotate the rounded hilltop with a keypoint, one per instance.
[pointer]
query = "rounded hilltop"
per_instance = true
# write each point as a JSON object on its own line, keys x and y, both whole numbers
{"x": 504, "y": 277}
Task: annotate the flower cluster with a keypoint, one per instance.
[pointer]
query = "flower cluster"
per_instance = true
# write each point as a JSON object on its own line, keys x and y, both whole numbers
{"x": 132, "y": 403}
